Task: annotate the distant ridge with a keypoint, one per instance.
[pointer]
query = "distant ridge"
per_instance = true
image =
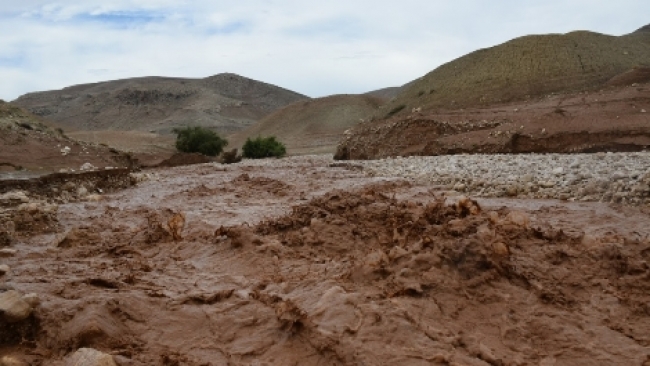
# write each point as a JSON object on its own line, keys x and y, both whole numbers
{"x": 526, "y": 67}
{"x": 643, "y": 29}
{"x": 225, "y": 102}
{"x": 386, "y": 93}
{"x": 314, "y": 126}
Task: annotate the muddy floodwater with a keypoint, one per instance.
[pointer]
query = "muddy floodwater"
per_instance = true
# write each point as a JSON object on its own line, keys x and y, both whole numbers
{"x": 296, "y": 262}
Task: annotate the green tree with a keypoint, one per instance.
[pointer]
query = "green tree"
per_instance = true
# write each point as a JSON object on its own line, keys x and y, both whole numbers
{"x": 263, "y": 147}
{"x": 199, "y": 140}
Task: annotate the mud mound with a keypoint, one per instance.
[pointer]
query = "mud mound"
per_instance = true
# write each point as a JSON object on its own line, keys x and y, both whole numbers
{"x": 526, "y": 67}
{"x": 314, "y": 126}
{"x": 395, "y": 242}
{"x": 432, "y": 251}
{"x": 224, "y": 102}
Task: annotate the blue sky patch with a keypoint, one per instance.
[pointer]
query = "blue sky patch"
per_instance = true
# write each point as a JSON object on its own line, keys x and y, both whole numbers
{"x": 12, "y": 61}
{"x": 121, "y": 19}
{"x": 229, "y": 28}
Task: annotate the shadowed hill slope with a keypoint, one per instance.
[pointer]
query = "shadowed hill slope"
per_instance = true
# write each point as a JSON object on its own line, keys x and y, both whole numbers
{"x": 224, "y": 102}
{"x": 526, "y": 67}
{"x": 313, "y": 126}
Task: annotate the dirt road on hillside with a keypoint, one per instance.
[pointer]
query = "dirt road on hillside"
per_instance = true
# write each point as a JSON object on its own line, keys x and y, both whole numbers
{"x": 294, "y": 262}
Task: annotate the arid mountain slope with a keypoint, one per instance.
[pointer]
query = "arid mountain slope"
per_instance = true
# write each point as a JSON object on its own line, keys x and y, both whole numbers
{"x": 526, "y": 67}
{"x": 225, "y": 102}
{"x": 643, "y": 29}
{"x": 313, "y": 126}
{"x": 29, "y": 145}
{"x": 386, "y": 93}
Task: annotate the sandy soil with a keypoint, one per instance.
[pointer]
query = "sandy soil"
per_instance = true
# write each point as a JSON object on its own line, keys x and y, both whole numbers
{"x": 295, "y": 262}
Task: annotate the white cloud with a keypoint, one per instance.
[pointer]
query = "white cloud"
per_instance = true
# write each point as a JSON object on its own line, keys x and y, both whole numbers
{"x": 313, "y": 48}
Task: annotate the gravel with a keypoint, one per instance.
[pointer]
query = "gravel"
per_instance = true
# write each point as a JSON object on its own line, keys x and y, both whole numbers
{"x": 600, "y": 177}
{"x": 604, "y": 177}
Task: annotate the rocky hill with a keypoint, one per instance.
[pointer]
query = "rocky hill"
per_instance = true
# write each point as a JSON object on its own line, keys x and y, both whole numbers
{"x": 524, "y": 68}
{"x": 575, "y": 92}
{"x": 312, "y": 126}
{"x": 224, "y": 102}
{"x": 30, "y": 146}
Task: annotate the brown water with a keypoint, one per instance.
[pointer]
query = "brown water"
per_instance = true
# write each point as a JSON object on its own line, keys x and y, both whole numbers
{"x": 297, "y": 263}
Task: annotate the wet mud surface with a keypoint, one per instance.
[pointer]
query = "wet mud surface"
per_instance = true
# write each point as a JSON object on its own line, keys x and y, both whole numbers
{"x": 299, "y": 263}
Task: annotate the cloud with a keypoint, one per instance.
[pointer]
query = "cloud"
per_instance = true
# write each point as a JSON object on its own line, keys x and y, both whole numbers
{"x": 316, "y": 48}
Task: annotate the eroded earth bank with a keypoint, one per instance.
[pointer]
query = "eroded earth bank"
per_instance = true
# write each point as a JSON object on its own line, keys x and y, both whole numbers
{"x": 303, "y": 262}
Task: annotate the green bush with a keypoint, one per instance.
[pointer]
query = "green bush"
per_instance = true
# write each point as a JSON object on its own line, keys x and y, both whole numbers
{"x": 199, "y": 140}
{"x": 263, "y": 147}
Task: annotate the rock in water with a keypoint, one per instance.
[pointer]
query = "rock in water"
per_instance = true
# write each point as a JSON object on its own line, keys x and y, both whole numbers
{"x": 90, "y": 357}
{"x": 12, "y": 361}
{"x": 500, "y": 249}
{"x": 4, "y": 269}
{"x": 13, "y": 308}
{"x": 7, "y": 252}
{"x": 176, "y": 225}
{"x": 82, "y": 191}
{"x": 230, "y": 157}
{"x": 87, "y": 166}
{"x": 32, "y": 299}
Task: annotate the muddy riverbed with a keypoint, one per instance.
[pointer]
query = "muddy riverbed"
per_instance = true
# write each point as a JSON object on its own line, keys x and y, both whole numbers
{"x": 296, "y": 262}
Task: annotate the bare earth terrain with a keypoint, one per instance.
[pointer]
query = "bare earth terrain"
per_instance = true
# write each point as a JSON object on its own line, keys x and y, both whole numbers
{"x": 616, "y": 118}
{"x": 31, "y": 146}
{"x": 303, "y": 262}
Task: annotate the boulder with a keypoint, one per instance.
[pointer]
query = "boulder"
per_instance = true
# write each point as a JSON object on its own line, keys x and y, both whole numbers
{"x": 5, "y": 237}
{"x": 32, "y": 299}
{"x": 13, "y": 308}
{"x": 13, "y": 198}
{"x": 12, "y": 361}
{"x": 230, "y": 157}
{"x": 7, "y": 252}
{"x": 87, "y": 166}
{"x": 90, "y": 357}
{"x": 82, "y": 191}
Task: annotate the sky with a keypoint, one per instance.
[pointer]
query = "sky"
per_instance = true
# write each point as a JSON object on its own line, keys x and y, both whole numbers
{"x": 314, "y": 48}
